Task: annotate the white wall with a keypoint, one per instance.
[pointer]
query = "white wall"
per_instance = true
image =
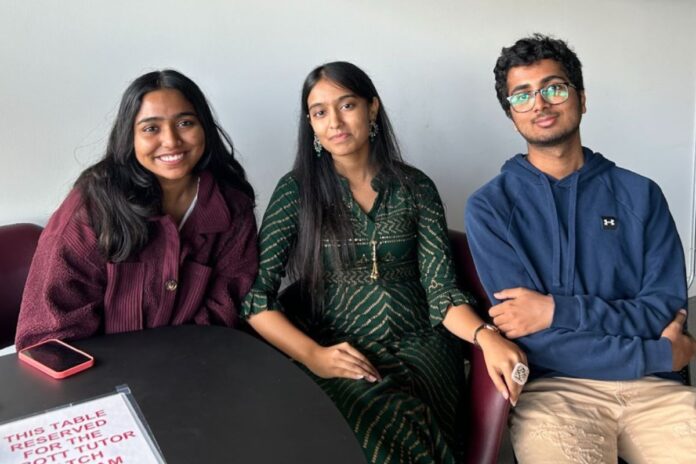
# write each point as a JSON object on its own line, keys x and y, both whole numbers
{"x": 65, "y": 64}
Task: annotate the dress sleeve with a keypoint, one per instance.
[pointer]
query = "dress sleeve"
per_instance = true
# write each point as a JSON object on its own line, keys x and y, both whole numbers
{"x": 276, "y": 239}
{"x": 434, "y": 254}
{"x": 235, "y": 270}
{"x": 64, "y": 292}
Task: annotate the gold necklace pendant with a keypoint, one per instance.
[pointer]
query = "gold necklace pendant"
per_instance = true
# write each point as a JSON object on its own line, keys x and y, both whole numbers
{"x": 374, "y": 275}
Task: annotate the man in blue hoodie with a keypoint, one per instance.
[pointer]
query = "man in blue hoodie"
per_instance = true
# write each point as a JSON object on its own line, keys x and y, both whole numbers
{"x": 585, "y": 270}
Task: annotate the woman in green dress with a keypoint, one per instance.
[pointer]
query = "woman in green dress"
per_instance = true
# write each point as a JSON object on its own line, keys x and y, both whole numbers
{"x": 366, "y": 236}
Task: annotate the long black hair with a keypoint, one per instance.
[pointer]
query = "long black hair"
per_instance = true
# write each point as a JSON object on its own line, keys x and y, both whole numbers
{"x": 120, "y": 194}
{"x": 324, "y": 216}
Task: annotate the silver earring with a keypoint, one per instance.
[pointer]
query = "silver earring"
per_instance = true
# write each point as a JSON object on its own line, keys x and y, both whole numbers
{"x": 374, "y": 130}
{"x": 317, "y": 146}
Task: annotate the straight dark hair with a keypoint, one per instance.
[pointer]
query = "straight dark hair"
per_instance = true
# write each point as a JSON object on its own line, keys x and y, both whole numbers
{"x": 121, "y": 195}
{"x": 324, "y": 216}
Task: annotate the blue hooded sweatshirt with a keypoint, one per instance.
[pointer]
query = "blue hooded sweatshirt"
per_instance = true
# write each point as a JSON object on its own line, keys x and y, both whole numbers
{"x": 603, "y": 243}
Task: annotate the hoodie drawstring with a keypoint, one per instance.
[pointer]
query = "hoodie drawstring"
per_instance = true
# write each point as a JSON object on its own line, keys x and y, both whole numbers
{"x": 555, "y": 231}
{"x": 572, "y": 221}
{"x": 594, "y": 165}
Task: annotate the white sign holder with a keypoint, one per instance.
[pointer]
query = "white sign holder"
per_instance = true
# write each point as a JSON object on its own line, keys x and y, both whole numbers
{"x": 109, "y": 429}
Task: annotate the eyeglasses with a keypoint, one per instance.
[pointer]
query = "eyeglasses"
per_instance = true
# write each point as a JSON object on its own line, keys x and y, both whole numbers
{"x": 554, "y": 94}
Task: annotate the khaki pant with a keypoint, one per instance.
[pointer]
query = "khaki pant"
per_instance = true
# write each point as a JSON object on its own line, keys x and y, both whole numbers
{"x": 561, "y": 420}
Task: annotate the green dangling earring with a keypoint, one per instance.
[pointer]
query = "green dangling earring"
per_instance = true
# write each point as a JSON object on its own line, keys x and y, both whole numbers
{"x": 317, "y": 146}
{"x": 374, "y": 130}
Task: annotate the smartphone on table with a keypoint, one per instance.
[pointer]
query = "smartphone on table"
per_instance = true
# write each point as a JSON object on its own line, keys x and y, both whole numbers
{"x": 56, "y": 358}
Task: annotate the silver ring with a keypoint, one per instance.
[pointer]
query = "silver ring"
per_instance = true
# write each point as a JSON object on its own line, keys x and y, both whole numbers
{"x": 520, "y": 374}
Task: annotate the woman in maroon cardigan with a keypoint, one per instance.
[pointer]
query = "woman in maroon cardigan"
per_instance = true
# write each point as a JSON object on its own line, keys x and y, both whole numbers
{"x": 161, "y": 231}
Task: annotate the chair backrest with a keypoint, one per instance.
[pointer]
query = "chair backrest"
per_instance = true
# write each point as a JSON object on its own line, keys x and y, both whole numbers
{"x": 17, "y": 245}
{"x": 467, "y": 277}
{"x": 487, "y": 410}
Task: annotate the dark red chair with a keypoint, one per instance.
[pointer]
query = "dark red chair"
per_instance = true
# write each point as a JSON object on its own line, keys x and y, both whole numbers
{"x": 484, "y": 410}
{"x": 17, "y": 245}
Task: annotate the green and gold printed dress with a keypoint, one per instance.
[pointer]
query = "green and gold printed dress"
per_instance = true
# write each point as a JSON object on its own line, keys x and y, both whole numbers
{"x": 393, "y": 318}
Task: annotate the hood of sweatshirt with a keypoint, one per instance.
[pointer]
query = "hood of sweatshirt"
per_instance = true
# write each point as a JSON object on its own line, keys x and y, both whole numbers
{"x": 521, "y": 168}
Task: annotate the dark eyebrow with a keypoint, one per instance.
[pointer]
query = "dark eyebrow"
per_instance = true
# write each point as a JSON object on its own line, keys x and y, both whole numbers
{"x": 520, "y": 87}
{"x": 160, "y": 118}
{"x": 544, "y": 81}
{"x": 550, "y": 78}
{"x": 343, "y": 97}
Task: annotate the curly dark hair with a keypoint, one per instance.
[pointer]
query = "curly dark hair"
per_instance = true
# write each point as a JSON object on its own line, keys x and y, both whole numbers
{"x": 529, "y": 50}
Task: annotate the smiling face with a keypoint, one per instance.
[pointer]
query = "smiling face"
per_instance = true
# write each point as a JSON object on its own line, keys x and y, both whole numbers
{"x": 341, "y": 119}
{"x": 546, "y": 124}
{"x": 168, "y": 138}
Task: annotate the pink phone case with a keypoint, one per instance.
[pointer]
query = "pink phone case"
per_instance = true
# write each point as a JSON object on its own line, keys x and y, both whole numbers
{"x": 48, "y": 370}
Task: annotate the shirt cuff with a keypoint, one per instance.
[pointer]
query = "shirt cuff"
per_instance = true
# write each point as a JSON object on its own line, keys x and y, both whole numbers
{"x": 566, "y": 312}
{"x": 256, "y": 302}
{"x": 444, "y": 300}
{"x": 658, "y": 356}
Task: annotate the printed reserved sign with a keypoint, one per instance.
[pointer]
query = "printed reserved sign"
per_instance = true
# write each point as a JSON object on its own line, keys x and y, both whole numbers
{"x": 106, "y": 430}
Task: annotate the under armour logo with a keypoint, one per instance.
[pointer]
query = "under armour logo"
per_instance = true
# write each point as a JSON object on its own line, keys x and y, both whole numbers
{"x": 608, "y": 223}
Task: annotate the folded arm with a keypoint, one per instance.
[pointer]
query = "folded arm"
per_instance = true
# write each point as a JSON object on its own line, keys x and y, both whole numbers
{"x": 526, "y": 311}
{"x": 525, "y": 307}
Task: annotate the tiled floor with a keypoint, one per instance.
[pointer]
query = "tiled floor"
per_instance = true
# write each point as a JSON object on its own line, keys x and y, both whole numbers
{"x": 506, "y": 456}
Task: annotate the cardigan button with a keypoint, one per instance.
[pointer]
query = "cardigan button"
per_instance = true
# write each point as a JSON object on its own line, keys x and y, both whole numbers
{"x": 170, "y": 285}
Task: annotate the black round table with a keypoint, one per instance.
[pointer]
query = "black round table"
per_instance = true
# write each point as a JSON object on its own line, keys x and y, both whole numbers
{"x": 209, "y": 395}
